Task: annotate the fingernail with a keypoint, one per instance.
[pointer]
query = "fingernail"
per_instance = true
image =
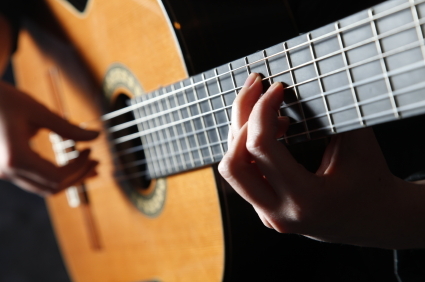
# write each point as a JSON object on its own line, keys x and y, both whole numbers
{"x": 251, "y": 79}
{"x": 284, "y": 118}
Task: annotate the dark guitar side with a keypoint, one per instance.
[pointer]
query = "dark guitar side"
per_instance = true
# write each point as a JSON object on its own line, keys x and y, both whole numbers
{"x": 207, "y": 232}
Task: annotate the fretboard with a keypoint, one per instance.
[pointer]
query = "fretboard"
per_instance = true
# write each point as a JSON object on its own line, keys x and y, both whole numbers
{"x": 363, "y": 70}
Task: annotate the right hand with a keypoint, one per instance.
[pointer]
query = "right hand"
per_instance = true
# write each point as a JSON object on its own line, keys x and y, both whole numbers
{"x": 20, "y": 118}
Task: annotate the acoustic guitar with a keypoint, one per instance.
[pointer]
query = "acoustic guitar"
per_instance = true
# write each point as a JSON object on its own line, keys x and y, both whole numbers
{"x": 158, "y": 211}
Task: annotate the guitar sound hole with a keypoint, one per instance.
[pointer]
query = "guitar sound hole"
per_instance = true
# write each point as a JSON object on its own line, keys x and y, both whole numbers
{"x": 129, "y": 156}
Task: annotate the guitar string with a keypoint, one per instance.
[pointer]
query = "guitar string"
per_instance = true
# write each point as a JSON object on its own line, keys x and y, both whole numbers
{"x": 412, "y": 106}
{"x": 367, "y": 20}
{"x": 410, "y": 67}
{"x": 371, "y": 100}
{"x": 69, "y": 143}
{"x": 318, "y": 77}
{"x": 327, "y": 127}
{"x": 348, "y": 107}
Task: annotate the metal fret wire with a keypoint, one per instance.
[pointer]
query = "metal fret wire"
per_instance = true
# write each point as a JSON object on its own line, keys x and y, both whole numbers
{"x": 419, "y": 32}
{"x": 220, "y": 90}
{"x": 271, "y": 80}
{"x": 316, "y": 69}
{"x": 184, "y": 131}
{"x": 323, "y": 37}
{"x": 191, "y": 122}
{"x": 365, "y": 118}
{"x": 142, "y": 112}
{"x": 383, "y": 65}
{"x": 178, "y": 143}
{"x": 300, "y": 106}
{"x": 336, "y": 90}
{"x": 354, "y": 46}
{"x": 207, "y": 138}
{"x": 155, "y": 137}
{"x": 350, "y": 79}
{"x": 167, "y": 145}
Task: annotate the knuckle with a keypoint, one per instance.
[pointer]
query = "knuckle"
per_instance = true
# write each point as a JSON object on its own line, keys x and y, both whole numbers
{"x": 226, "y": 168}
{"x": 256, "y": 146}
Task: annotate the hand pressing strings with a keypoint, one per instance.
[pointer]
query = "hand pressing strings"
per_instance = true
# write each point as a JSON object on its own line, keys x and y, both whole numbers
{"x": 352, "y": 198}
{"x": 20, "y": 119}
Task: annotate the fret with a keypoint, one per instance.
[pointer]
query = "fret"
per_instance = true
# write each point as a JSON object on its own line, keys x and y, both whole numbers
{"x": 181, "y": 130}
{"x": 167, "y": 136}
{"x": 247, "y": 67}
{"x": 195, "y": 139}
{"x": 226, "y": 129}
{"x": 383, "y": 65}
{"x": 187, "y": 122}
{"x": 277, "y": 64}
{"x": 288, "y": 61}
{"x": 208, "y": 143}
{"x": 146, "y": 111}
{"x": 269, "y": 74}
{"x": 216, "y": 151}
{"x": 180, "y": 159}
{"x": 419, "y": 32}
{"x": 256, "y": 63}
{"x": 155, "y": 166}
{"x": 313, "y": 56}
{"x": 145, "y": 139}
{"x": 157, "y": 136}
{"x": 349, "y": 77}
{"x": 220, "y": 116}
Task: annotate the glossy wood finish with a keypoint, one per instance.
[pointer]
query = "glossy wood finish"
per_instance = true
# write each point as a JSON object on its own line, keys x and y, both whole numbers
{"x": 185, "y": 242}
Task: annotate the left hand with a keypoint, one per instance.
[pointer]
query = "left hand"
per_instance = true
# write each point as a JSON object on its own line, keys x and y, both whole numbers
{"x": 352, "y": 198}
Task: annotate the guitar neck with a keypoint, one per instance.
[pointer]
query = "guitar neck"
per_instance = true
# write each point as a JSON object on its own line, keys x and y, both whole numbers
{"x": 363, "y": 70}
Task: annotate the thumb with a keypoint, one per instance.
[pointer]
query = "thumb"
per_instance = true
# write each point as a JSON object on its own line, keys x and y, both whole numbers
{"x": 47, "y": 119}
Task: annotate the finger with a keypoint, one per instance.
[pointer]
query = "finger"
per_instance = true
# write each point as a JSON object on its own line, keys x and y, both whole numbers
{"x": 42, "y": 171}
{"x": 282, "y": 127}
{"x": 273, "y": 158}
{"x": 43, "y": 117}
{"x": 76, "y": 179}
{"x": 32, "y": 187}
{"x": 238, "y": 170}
{"x": 245, "y": 101}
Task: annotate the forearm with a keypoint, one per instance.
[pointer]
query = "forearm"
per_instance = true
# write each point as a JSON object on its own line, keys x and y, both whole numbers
{"x": 5, "y": 43}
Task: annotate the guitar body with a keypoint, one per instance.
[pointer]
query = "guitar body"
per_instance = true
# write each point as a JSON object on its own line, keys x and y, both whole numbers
{"x": 186, "y": 241}
{"x": 200, "y": 229}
